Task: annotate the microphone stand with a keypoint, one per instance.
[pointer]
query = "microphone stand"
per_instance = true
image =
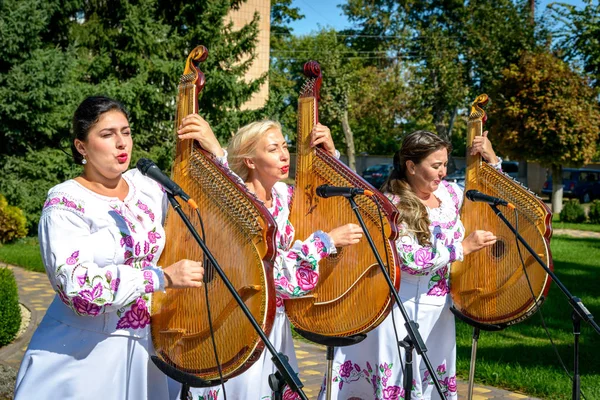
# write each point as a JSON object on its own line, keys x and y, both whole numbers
{"x": 579, "y": 311}
{"x": 285, "y": 371}
{"x": 414, "y": 339}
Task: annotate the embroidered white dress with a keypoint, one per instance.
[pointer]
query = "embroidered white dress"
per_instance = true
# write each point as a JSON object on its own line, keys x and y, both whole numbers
{"x": 296, "y": 272}
{"x": 372, "y": 369}
{"x": 100, "y": 255}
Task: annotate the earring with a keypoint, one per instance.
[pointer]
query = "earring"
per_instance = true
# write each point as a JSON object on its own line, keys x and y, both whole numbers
{"x": 84, "y": 161}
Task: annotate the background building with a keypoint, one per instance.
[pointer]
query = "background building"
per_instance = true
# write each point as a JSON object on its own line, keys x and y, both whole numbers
{"x": 260, "y": 65}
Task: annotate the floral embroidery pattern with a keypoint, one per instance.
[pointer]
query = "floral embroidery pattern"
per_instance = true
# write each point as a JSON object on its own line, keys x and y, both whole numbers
{"x": 445, "y": 230}
{"x": 136, "y": 317}
{"x": 145, "y": 209}
{"x": 296, "y": 264}
{"x": 448, "y": 382}
{"x": 453, "y": 195}
{"x": 63, "y": 201}
{"x": 134, "y": 256}
{"x": 91, "y": 296}
{"x": 438, "y": 285}
{"x": 378, "y": 378}
{"x": 116, "y": 209}
{"x": 212, "y": 395}
{"x": 288, "y": 394}
{"x": 98, "y": 291}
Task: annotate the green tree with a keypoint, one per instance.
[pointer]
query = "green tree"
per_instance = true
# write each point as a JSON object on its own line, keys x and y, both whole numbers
{"x": 353, "y": 95}
{"x": 546, "y": 110}
{"x": 338, "y": 75}
{"x": 39, "y": 90}
{"x": 57, "y": 52}
{"x": 451, "y": 50}
{"x": 578, "y": 35}
{"x": 283, "y": 92}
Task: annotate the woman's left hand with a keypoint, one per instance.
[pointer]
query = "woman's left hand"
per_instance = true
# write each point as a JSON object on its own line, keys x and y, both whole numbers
{"x": 483, "y": 146}
{"x": 195, "y": 127}
{"x": 322, "y": 135}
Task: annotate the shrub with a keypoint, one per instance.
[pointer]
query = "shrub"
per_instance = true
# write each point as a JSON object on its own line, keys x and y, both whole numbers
{"x": 13, "y": 224}
{"x": 10, "y": 313}
{"x": 594, "y": 212}
{"x": 572, "y": 212}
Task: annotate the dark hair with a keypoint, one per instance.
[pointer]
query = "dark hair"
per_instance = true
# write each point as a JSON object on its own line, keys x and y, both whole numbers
{"x": 416, "y": 147}
{"x": 87, "y": 115}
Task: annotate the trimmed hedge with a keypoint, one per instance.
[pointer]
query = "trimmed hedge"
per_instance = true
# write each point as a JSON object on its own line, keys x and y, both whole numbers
{"x": 572, "y": 212}
{"x": 10, "y": 313}
{"x": 594, "y": 212}
{"x": 13, "y": 224}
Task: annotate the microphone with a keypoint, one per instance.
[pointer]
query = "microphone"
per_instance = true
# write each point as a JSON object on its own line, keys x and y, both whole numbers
{"x": 476, "y": 195}
{"x": 149, "y": 169}
{"x": 332, "y": 191}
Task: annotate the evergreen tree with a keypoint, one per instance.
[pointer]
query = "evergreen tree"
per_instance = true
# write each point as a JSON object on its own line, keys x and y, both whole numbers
{"x": 38, "y": 88}
{"x": 58, "y": 52}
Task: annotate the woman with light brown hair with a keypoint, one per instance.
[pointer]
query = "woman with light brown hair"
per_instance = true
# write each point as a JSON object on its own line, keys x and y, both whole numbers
{"x": 431, "y": 238}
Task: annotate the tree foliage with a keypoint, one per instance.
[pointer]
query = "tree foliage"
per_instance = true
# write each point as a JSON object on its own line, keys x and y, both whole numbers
{"x": 542, "y": 108}
{"x": 56, "y": 52}
{"x": 578, "y": 35}
{"x": 453, "y": 50}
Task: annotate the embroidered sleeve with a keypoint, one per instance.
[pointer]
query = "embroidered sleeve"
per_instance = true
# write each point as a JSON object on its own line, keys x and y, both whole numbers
{"x": 68, "y": 247}
{"x": 498, "y": 165}
{"x": 223, "y": 159}
{"x": 296, "y": 270}
{"x": 423, "y": 260}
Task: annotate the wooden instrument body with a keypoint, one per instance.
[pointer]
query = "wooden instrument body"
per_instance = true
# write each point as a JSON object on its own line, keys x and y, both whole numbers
{"x": 240, "y": 233}
{"x": 490, "y": 285}
{"x": 352, "y": 295}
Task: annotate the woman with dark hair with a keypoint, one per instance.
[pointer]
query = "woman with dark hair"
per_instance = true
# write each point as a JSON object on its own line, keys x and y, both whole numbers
{"x": 431, "y": 238}
{"x": 101, "y": 235}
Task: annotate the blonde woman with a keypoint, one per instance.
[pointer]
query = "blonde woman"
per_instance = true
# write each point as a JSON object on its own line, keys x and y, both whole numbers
{"x": 259, "y": 156}
{"x": 431, "y": 238}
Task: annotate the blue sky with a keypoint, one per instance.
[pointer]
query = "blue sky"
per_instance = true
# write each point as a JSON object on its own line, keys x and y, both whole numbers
{"x": 325, "y": 13}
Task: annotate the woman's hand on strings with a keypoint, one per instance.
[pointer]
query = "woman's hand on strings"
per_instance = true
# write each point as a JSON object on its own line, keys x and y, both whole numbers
{"x": 322, "y": 135}
{"x": 477, "y": 240}
{"x": 195, "y": 127}
{"x": 184, "y": 274}
{"x": 482, "y": 145}
{"x": 346, "y": 235}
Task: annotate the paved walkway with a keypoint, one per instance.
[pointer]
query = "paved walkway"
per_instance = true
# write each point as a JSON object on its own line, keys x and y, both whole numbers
{"x": 35, "y": 293}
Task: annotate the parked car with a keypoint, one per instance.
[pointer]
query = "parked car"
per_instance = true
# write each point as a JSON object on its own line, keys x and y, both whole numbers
{"x": 578, "y": 183}
{"x": 377, "y": 174}
{"x": 511, "y": 168}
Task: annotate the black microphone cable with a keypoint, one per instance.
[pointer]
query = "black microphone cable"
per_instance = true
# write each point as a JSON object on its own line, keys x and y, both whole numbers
{"x": 560, "y": 360}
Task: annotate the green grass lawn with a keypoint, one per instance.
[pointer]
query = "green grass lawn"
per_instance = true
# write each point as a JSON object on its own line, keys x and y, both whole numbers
{"x": 24, "y": 253}
{"x": 521, "y": 357}
{"x": 577, "y": 227}
{"x": 556, "y": 224}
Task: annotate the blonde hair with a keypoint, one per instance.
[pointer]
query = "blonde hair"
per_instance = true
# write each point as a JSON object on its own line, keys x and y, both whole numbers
{"x": 416, "y": 147}
{"x": 243, "y": 145}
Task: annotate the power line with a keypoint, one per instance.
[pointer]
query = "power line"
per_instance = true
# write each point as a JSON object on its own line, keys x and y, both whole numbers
{"x": 377, "y": 36}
